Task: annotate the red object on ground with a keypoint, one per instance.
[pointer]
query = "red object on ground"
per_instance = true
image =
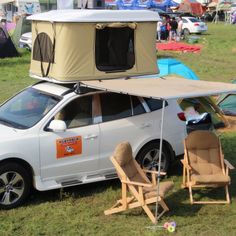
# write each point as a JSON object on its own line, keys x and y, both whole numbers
{"x": 177, "y": 46}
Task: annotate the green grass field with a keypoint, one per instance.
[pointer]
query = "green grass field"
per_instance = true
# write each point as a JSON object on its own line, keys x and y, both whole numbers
{"x": 80, "y": 209}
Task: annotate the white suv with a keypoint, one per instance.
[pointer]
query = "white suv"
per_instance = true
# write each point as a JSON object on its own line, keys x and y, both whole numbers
{"x": 54, "y": 136}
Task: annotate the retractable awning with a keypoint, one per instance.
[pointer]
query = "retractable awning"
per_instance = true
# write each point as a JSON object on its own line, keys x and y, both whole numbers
{"x": 163, "y": 88}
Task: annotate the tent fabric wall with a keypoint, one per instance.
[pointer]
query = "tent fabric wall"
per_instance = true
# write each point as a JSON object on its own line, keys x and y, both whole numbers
{"x": 74, "y": 57}
{"x": 7, "y": 48}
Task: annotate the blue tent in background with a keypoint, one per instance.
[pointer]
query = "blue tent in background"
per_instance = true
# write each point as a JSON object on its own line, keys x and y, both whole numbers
{"x": 227, "y": 102}
{"x": 173, "y": 66}
{"x": 141, "y": 4}
{"x": 165, "y": 5}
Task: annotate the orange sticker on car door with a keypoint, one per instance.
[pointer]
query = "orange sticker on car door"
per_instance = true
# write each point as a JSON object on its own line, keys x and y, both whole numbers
{"x": 69, "y": 146}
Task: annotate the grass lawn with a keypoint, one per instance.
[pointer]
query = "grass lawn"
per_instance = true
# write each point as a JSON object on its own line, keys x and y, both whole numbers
{"x": 80, "y": 209}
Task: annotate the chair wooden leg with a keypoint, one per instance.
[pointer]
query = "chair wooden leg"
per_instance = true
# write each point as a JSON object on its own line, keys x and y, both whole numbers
{"x": 227, "y": 201}
{"x": 227, "y": 194}
{"x": 183, "y": 185}
{"x": 190, "y": 194}
{"x": 149, "y": 213}
{"x": 164, "y": 207}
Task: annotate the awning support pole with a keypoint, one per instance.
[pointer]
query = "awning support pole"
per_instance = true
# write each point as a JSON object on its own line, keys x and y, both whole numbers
{"x": 160, "y": 152}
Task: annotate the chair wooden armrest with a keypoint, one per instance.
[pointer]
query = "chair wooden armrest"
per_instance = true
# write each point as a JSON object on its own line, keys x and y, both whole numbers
{"x": 186, "y": 165}
{"x": 136, "y": 183}
{"x": 228, "y": 164}
{"x": 154, "y": 172}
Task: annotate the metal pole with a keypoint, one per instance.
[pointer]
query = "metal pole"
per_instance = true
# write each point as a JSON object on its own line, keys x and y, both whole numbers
{"x": 160, "y": 152}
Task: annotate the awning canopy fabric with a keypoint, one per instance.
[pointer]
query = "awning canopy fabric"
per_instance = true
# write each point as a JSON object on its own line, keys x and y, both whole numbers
{"x": 162, "y": 88}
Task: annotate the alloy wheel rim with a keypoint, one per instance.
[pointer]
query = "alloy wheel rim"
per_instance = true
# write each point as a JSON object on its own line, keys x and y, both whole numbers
{"x": 151, "y": 160}
{"x": 11, "y": 187}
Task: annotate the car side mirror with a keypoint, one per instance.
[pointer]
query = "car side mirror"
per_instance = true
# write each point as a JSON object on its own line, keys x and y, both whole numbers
{"x": 57, "y": 126}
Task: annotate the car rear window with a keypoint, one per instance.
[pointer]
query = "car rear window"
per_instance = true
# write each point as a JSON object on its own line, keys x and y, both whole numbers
{"x": 137, "y": 106}
{"x": 154, "y": 104}
{"x": 115, "y": 106}
{"x": 194, "y": 20}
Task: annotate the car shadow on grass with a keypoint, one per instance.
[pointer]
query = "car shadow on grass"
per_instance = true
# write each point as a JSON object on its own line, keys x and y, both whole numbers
{"x": 79, "y": 191}
{"x": 178, "y": 199}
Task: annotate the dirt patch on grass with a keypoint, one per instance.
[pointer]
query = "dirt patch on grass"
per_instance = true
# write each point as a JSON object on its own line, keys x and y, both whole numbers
{"x": 231, "y": 124}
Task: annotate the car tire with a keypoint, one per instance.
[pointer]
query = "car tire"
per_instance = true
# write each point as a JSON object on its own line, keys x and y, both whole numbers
{"x": 186, "y": 32}
{"x": 148, "y": 157}
{"x": 15, "y": 183}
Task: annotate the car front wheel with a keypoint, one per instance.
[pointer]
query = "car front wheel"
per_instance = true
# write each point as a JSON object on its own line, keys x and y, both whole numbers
{"x": 14, "y": 185}
{"x": 149, "y": 157}
{"x": 186, "y": 32}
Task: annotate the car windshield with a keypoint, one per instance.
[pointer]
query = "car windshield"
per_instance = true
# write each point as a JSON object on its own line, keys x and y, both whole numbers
{"x": 26, "y": 108}
{"x": 194, "y": 20}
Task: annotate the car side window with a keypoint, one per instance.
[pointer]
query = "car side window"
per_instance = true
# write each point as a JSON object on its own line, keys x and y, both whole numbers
{"x": 137, "y": 106}
{"x": 154, "y": 104}
{"x": 185, "y": 21}
{"x": 115, "y": 106}
{"x": 77, "y": 113}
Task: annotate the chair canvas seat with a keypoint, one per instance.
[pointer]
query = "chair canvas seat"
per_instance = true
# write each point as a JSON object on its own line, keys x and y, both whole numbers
{"x": 218, "y": 179}
{"x": 164, "y": 188}
{"x": 204, "y": 164}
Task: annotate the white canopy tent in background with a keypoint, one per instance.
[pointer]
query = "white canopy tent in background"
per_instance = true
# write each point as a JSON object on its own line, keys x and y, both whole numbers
{"x": 65, "y": 4}
{"x": 163, "y": 88}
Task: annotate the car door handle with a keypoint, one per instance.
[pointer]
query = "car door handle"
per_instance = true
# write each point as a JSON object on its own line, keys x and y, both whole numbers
{"x": 91, "y": 136}
{"x": 145, "y": 125}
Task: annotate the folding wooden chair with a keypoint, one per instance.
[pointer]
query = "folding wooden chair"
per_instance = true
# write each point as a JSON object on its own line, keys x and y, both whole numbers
{"x": 137, "y": 189}
{"x": 204, "y": 165}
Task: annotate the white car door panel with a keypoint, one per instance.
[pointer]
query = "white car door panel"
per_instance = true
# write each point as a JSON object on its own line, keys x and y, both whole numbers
{"x": 62, "y": 155}
{"x": 74, "y": 152}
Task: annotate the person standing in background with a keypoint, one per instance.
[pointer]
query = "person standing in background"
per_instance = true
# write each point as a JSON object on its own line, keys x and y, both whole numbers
{"x": 180, "y": 28}
{"x": 173, "y": 29}
{"x": 159, "y": 25}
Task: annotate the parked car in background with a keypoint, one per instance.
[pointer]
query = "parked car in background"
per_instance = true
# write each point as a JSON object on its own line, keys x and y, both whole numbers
{"x": 193, "y": 25}
{"x": 26, "y": 41}
{"x": 54, "y": 136}
{"x": 233, "y": 7}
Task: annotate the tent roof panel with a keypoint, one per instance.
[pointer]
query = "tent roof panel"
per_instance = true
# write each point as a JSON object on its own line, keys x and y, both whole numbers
{"x": 163, "y": 88}
{"x": 96, "y": 16}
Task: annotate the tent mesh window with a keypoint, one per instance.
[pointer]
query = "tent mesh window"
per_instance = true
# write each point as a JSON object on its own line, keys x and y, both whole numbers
{"x": 114, "y": 49}
{"x": 43, "y": 48}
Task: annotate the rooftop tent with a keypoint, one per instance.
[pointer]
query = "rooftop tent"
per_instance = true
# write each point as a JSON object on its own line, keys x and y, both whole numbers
{"x": 172, "y": 66}
{"x": 73, "y": 45}
{"x": 7, "y": 48}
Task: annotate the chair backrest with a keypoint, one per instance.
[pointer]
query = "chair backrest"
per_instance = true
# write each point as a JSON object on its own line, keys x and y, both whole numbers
{"x": 124, "y": 158}
{"x": 204, "y": 153}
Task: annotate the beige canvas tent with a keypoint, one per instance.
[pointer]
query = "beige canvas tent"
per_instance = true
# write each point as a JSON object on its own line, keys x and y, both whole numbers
{"x": 74, "y": 45}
